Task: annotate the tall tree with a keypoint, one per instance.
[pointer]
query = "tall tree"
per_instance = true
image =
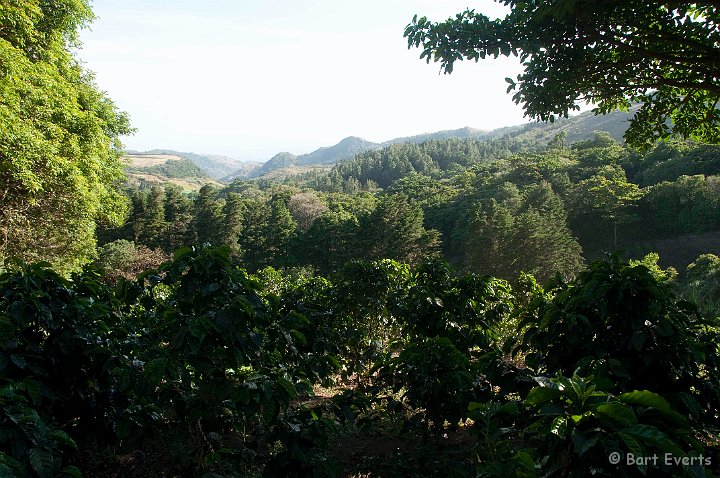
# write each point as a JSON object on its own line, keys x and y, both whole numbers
{"x": 267, "y": 233}
{"x": 136, "y": 219}
{"x": 154, "y": 219}
{"x": 305, "y": 207}
{"x": 207, "y": 216}
{"x": 661, "y": 54}
{"x": 59, "y": 137}
{"x": 544, "y": 239}
{"x": 178, "y": 219}
{"x": 487, "y": 241}
{"x": 232, "y": 221}
{"x": 525, "y": 232}
{"x": 332, "y": 240}
{"x": 689, "y": 205}
{"x": 395, "y": 230}
{"x": 281, "y": 230}
{"x": 604, "y": 202}
{"x": 253, "y": 234}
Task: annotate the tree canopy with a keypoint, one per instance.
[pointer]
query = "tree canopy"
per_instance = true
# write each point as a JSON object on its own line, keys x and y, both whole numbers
{"x": 662, "y": 55}
{"x": 59, "y": 137}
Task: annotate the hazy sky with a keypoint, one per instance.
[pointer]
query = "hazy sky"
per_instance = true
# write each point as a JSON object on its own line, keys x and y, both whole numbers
{"x": 250, "y": 78}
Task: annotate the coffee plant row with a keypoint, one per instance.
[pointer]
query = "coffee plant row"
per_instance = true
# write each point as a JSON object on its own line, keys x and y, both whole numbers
{"x": 220, "y": 367}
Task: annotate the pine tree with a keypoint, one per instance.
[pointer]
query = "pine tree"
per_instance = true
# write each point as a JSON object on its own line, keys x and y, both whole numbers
{"x": 522, "y": 233}
{"x": 154, "y": 219}
{"x": 178, "y": 218}
{"x": 232, "y": 221}
{"x": 206, "y": 216}
{"x": 281, "y": 230}
{"x": 395, "y": 231}
{"x": 253, "y": 234}
{"x": 332, "y": 240}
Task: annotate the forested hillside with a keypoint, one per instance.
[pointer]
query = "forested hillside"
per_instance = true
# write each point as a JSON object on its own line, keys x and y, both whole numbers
{"x": 214, "y": 166}
{"x": 483, "y": 207}
{"x": 526, "y": 137}
{"x": 538, "y": 302}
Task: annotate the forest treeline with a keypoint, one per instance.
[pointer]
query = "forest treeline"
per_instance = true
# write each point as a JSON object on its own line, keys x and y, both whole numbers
{"x": 477, "y": 204}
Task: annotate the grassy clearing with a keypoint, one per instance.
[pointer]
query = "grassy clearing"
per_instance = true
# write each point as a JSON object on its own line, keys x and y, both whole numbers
{"x": 146, "y": 160}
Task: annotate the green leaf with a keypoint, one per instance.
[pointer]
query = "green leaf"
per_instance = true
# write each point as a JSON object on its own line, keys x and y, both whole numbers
{"x": 257, "y": 339}
{"x": 210, "y": 289}
{"x": 41, "y": 461}
{"x": 617, "y": 412}
{"x": 33, "y": 389}
{"x": 63, "y": 438}
{"x": 287, "y": 386}
{"x": 582, "y": 442}
{"x": 72, "y": 472}
{"x": 509, "y": 409}
{"x": 540, "y": 395}
{"x": 155, "y": 369}
{"x": 19, "y": 361}
{"x": 475, "y": 406}
{"x": 7, "y": 329}
{"x": 270, "y": 411}
{"x": 638, "y": 339}
{"x": 180, "y": 253}
{"x": 652, "y": 435}
{"x": 632, "y": 444}
{"x": 298, "y": 336}
{"x": 645, "y": 398}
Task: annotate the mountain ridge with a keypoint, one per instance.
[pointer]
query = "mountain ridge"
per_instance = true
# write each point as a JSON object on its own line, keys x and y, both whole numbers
{"x": 214, "y": 165}
{"x": 348, "y": 147}
{"x": 578, "y": 127}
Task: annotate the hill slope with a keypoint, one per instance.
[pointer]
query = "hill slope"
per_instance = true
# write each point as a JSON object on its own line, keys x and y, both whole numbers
{"x": 580, "y": 127}
{"x": 279, "y": 161}
{"x": 326, "y": 156}
{"x": 465, "y": 133}
{"x": 213, "y": 165}
{"x": 345, "y": 149}
{"x": 163, "y": 168}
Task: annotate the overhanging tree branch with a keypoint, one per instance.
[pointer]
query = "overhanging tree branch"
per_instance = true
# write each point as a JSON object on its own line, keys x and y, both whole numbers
{"x": 615, "y": 50}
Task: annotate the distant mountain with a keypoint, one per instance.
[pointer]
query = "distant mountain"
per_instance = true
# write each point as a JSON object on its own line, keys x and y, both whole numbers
{"x": 214, "y": 165}
{"x": 169, "y": 165}
{"x": 279, "y": 161}
{"x": 244, "y": 171}
{"x": 160, "y": 168}
{"x": 582, "y": 126}
{"x": 578, "y": 128}
{"x": 466, "y": 132}
{"x": 345, "y": 149}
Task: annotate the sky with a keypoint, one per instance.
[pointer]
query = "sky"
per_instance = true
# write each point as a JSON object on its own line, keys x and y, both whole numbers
{"x": 251, "y": 78}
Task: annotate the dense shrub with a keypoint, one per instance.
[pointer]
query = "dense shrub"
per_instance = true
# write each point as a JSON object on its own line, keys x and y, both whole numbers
{"x": 631, "y": 332}
{"x": 435, "y": 376}
{"x": 58, "y": 357}
{"x": 219, "y": 365}
{"x": 573, "y": 428}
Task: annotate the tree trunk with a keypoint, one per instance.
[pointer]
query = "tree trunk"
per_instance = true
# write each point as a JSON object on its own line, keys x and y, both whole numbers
{"x": 615, "y": 239}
